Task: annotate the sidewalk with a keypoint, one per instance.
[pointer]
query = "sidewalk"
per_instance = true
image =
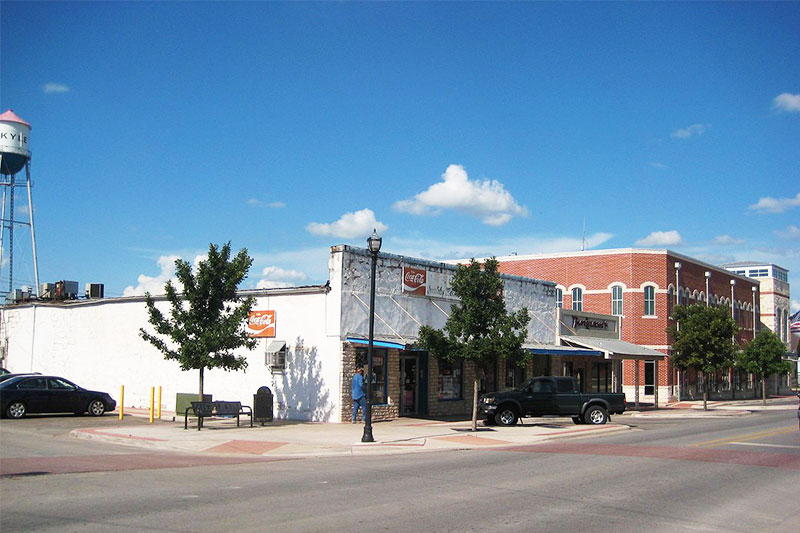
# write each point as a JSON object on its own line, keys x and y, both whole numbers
{"x": 286, "y": 439}
{"x": 316, "y": 439}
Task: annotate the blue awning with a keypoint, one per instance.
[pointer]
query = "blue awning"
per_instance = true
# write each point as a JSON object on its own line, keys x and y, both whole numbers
{"x": 376, "y": 342}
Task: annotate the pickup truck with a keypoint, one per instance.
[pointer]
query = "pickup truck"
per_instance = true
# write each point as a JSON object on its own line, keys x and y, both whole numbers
{"x": 550, "y": 395}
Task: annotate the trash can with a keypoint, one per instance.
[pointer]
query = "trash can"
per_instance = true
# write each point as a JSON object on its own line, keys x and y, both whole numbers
{"x": 262, "y": 405}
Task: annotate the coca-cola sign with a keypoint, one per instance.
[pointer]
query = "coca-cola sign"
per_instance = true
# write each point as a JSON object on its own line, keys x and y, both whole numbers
{"x": 261, "y": 324}
{"x": 414, "y": 280}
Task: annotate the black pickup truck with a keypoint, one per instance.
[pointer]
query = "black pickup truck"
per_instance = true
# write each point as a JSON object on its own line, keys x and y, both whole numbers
{"x": 546, "y": 395}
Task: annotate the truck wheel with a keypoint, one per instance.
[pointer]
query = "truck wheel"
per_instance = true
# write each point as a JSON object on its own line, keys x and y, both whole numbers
{"x": 595, "y": 415}
{"x": 506, "y": 416}
{"x": 578, "y": 420}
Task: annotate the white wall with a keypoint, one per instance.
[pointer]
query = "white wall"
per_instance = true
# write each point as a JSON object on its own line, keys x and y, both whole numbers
{"x": 97, "y": 345}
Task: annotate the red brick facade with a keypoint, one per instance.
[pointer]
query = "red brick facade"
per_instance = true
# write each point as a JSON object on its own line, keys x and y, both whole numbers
{"x": 596, "y": 272}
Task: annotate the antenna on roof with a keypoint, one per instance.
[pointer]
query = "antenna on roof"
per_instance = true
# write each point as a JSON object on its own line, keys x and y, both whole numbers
{"x": 583, "y": 237}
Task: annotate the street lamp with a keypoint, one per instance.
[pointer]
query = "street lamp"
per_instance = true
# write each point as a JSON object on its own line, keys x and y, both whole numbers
{"x": 374, "y": 245}
{"x": 708, "y": 288}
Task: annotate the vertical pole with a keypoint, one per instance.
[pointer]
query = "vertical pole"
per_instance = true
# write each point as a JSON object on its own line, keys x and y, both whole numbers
{"x": 367, "y": 437}
{"x": 11, "y": 235}
{"x": 152, "y": 391}
{"x": 655, "y": 384}
{"x": 636, "y": 390}
{"x": 2, "y": 225}
{"x": 121, "y": 402}
{"x": 159, "y": 402}
{"x": 33, "y": 232}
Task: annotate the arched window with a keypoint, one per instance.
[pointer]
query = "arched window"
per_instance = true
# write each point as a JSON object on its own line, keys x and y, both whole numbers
{"x": 649, "y": 301}
{"x": 577, "y": 299}
{"x": 616, "y": 300}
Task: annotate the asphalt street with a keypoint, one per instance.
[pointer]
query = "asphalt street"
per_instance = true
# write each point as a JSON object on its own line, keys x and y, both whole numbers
{"x": 732, "y": 474}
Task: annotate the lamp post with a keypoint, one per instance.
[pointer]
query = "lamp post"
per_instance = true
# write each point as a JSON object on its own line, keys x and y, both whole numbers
{"x": 733, "y": 339}
{"x": 755, "y": 329}
{"x": 374, "y": 245}
{"x": 708, "y": 288}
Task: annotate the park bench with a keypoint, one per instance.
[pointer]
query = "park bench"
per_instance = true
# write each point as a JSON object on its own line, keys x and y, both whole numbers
{"x": 211, "y": 409}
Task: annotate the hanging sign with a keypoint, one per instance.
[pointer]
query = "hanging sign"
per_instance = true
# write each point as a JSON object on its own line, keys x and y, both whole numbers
{"x": 261, "y": 323}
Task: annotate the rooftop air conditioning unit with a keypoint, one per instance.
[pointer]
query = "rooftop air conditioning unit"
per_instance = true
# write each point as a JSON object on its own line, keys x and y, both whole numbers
{"x": 94, "y": 290}
{"x": 66, "y": 290}
{"x": 47, "y": 291}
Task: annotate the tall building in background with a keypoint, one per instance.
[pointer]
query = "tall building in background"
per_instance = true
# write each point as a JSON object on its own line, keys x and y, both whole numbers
{"x": 773, "y": 282}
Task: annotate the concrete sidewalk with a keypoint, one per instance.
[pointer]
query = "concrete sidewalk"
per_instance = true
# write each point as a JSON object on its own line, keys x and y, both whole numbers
{"x": 309, "y": 439}
{"x": 404, "y": 435}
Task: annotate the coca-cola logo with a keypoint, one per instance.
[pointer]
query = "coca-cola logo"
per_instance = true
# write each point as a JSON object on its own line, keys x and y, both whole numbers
{"x": 414, "y": 280}
{"x": 261, "y": 323}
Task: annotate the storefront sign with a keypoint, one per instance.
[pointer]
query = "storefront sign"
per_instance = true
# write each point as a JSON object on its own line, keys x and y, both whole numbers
{"x": 261, "y": 323}
{"x": 414, "y": 281}
{"x": 589, "y": 323}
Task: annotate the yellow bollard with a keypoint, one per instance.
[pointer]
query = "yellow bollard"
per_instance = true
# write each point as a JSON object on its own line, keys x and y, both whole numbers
{"x": 121, "y": 402}
{"x": 152, "y": 392}
{"x": 159, "y": 402}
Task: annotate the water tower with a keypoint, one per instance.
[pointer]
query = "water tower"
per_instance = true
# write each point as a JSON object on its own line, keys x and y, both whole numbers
{"x": 14, "y": 156}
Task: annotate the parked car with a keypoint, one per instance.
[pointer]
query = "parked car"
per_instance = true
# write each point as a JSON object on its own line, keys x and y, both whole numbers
{"x": 550, "y": 395}
{"x": 3, "y": 371}
{"x": 9, "y": 376}
{"x": 29, "y": 393}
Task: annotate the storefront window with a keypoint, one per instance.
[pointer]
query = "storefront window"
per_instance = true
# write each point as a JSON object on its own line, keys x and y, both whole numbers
{"x": 515, "y": 375}
{"x": 600, "y": 377}
{"x": 451, "y": 378}
{"x": 379, "y": 369}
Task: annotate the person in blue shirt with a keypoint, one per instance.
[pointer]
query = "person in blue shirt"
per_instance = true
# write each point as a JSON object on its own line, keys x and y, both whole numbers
{"x": 359, "y": 398}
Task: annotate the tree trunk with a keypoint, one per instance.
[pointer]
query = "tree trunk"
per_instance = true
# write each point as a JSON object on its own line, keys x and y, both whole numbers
{"x": 475, "y": 404}
{"x": 763, "y": 390}
{"x": 705, "y": 392}
{"x": 200, "y": 393}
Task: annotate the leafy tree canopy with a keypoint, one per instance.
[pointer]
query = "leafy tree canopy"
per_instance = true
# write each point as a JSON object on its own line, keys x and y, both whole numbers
{"x": 206, "y": 320}
{"x": 479, "y": 329}
{"x": 702, "y": 337}
{"x": 763, "y": 355}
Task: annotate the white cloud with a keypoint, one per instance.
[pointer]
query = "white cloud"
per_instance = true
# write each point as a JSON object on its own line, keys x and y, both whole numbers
{"x": 273, "y": 276}
{"x": 255, "y": 202}
{"x": 155, "y": 285}
{"x": 661, "y": 238}
{"x": 787, "y": 102}
{"x": 349, "y": 226}
{"x": 658, "y": 165}
{"x": 727, "y": 240}
{"x": 792, "y": 233}
{"x": 52, "y": 87}
{"x": 775, "y": 205}
{"x": 795, "y": 306}
{"x": 691, "y": 131}
{"x": 484, "y": 199}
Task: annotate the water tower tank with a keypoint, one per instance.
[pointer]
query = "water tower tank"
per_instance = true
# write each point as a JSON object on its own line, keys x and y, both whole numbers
{"x": 14, "y": 151}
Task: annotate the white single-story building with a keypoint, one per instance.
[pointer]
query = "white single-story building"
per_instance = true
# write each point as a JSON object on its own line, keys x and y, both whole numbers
{"x": 311, "y": 340}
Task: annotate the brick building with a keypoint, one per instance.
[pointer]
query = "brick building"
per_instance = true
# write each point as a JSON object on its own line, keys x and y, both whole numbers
{"x": 641, "y": 286}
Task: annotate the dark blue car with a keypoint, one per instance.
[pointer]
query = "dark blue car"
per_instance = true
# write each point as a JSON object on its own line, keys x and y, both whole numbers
{"x": 25, "y": 394}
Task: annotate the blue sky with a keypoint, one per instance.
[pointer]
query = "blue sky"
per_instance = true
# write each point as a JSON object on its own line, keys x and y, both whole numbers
{"x": 455, "y": 129}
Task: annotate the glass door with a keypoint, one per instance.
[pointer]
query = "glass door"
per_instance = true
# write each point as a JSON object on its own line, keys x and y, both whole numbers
{"x": 409, "y": 385}
{"x": 649, "y": 378}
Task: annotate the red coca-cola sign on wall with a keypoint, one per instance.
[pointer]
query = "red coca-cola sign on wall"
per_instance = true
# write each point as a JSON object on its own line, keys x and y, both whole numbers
{"x": 414, "y": 280}
{"x": 261, "y": 324}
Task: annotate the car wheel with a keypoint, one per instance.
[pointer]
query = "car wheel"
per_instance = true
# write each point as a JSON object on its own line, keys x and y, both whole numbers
{"x": 506, "y": 416}
{"x": 16, "y": 410}
{"x": 596, "y": 415}
{"x": 578, "y": 420}
{"x": 97, "y": 408}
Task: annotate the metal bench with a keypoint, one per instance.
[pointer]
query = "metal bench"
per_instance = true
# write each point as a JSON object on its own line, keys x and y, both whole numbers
{"x": 210, "y": 409}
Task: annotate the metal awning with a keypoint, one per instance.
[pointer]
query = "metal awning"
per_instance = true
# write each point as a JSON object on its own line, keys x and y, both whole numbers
{"x": 377, "y": 342}
{"x": 552, "y": 349}
{"x": 614, "y": 348}
{"x": 275, "y": 346}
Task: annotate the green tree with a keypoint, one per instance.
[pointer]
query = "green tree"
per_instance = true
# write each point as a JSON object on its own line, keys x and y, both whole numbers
{"x": 764, "y": 356}
{"x": 479, "y": 329}
{"x": 206, "y": 322}
{"x": 703, "y": 340}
